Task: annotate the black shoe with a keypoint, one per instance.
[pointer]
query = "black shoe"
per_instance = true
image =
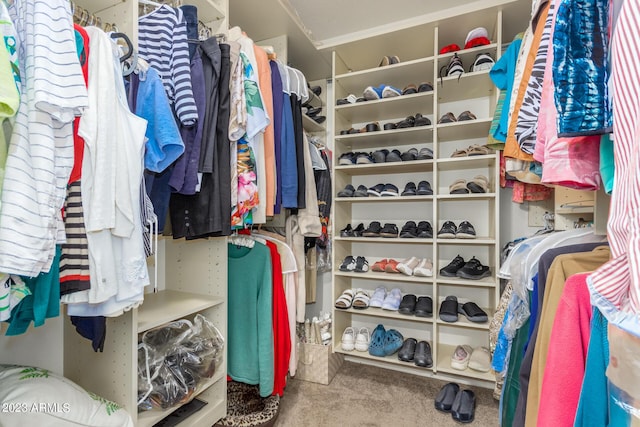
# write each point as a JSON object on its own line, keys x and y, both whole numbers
{"x": 409, "y": 230}
{"x": 389, "y": 190}
{"x": 452, "y": 268}
{"x": 347, "y": 159}
{"x": 408, "y": 304}
{"x": 424, "y": 230}
{"x": 373, "y": 230}
{"x": 407, "y": 350}
{"x": 447, "y": 231}
{"x": 446, "y": 396}
{"x": 364, "y": 159}
{"x": 319, "y": 119}
{"x": 409, "y": 189}
{"x": 422, "y": 120}
{"x": 409, "y": 155}
{"x": 361, "y": 191}
{"x": 393, "y": 156}
{"x": 347, "y": 191}
{"x": 409, "y": 122}
{"x": 313, "y": 111}
{"x": 466, "y": 231}
{"x": 357, "y": 232}
{"x": 347, "y": 231}
{"x": 376, "y": 190}
{"x": 422, "y": 356}
{"x": 389, "y": 230}
{"x": 380, "y": 156}
{"x": 316, "y": 89}
{"x": 348, "y": 264}
{"x": 463, "y": 408}
{"x": 473, "y": 270}
{"x": 362, "y": 265}
{"x": 424, "y": 189}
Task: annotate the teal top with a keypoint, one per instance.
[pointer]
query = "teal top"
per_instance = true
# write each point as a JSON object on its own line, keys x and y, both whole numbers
{"x": 250, "y": 341}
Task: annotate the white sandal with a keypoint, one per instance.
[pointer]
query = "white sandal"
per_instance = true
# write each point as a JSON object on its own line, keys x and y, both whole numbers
{"x": 362, "y": 339}
{"x": 344, "y": 300}
{"x": 361, "y": 300}
{"x": 348, "y": 339}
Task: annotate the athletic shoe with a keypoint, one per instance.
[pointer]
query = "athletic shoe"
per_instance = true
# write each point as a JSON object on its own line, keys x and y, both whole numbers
{"x": 466, "y": 231}
{"x": 447, "y": 231}
{"x": 452, "y": 268}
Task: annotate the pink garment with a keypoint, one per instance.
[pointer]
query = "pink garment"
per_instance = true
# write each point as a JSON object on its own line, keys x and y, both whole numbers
{"x": 547, "y": 127}
{"x": 567, "y": 355}
{"x": 573, "y": 162}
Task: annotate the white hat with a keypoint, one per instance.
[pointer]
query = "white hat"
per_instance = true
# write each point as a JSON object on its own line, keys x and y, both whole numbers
{"x": 475, "y": 33}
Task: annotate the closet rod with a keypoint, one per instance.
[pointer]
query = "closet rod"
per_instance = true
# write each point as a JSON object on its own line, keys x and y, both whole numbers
{"x": 150, "y": 3}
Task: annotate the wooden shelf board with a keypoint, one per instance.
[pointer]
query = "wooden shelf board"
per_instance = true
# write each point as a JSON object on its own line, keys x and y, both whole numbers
{"x": 486, "y": 282}
{"x": 415, "y": 241}
{"x": 466, "y": 129}
{"x": 404, "y": 136}
{"x": 470, "y": 196}
{"x": 150, "y": 418}
{"x": 466, "y": 86}
{"x": 391, "y": 277}
{"x": 393, "y": 359}
{"x": 477, "y": 241}
{"x": 310, "y": 125}
{"x": 393, "y": 167}
{"x": 383, "y": 199}
{"x": 469, "y": 162}
{"x": 444, "y": 365}
{"x": 397, "y": 75}
{"x": 386, "y": 109}
{"x": 165, "y": 306}
{"x": 387, "y": 314}
{"x": 464, "y": 323}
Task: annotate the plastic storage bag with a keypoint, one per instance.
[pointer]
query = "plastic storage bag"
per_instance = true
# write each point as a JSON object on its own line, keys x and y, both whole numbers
{"x": 175, "y": 359}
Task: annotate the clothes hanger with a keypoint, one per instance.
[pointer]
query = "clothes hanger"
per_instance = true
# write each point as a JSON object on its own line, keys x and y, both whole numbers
{"x": 126, "y": 39}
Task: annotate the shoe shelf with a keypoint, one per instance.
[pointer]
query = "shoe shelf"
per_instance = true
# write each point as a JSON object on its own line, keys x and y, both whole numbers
{"x": 393, "y": 359}
{"x": 467, "y": 129}
{"x": 469, "y": 162}
{"x": 391, "y": 277}
{"x": 151, "y": 418}
{"x": 164, "y": 306}
{"x": 477, "y": 241}
{"x": 387, "y": 108}
{"x": 386, "y": 168}
{"x": 405, "y": 136}
{"x": 485, "y": 282}
{"x": 385, "y": 199}
{"x": 386, "y": 314}
{"x": 397, "y": 75}
{"x": 467, "y": 56}
{"x": 403, "y": 240}
{"x": 311, "y": 125}
{"x": 443, "y": 364}
{"x": 463, "y": 322}
{"x": 469, "y": 196}
{"x": 467, "y": 86}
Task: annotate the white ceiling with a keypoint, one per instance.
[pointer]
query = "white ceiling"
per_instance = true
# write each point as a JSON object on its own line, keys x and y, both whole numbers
{"x": 314, "y": 27}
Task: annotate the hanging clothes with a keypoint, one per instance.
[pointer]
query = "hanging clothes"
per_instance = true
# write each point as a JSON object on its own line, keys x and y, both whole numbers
{"x": 40, "y": 156}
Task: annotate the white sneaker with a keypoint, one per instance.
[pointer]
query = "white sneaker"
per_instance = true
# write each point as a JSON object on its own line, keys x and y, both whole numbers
{"x": 348, "y": 339}
{"x": 424, "y": 268}
{"x": 362, "y": 339}
{"x": 407, "y": 266}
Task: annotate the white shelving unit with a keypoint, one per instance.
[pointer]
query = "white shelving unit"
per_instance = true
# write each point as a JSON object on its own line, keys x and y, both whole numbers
{"x": 192, "y": 279}
{"x": 474, "y": 91}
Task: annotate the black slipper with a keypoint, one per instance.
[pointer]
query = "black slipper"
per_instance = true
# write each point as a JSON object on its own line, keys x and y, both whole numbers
{"x": 390, "y": 126}
{"x": 464, "y": 406}
{"x": 422, "y": 356}
{"x": 408, "y": 304}
{"x": 409, "y": 122}
{"x": 408, "y": 349}
{"x": 422, "y": 120}
{"x": 472, "y": 312}
{"x": 424, "y": 307}
{"x": 446, "y": 396}
{"x": 449, "y": 309}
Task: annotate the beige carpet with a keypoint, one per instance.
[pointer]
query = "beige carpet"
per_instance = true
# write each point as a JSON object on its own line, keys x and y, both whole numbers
{"x": 362, "y": 395}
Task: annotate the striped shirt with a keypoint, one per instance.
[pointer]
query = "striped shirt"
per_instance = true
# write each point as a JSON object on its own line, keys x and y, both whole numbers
{"x": 615, "y": 287}
{"x": 41, "y": 148}
{"x": 162, "y": 41}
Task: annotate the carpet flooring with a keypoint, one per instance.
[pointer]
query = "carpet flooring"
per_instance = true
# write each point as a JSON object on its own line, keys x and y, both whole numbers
{"x": 367, "y": 396}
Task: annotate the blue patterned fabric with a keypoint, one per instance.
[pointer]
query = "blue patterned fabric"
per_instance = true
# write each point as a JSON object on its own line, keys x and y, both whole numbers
{"x": 580, "y": 48}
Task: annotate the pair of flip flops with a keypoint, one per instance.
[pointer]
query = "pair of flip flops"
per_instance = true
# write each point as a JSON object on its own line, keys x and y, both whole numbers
{"x": 479, "y": 184}
{"x": 450, "y": 309}
{"x": 460, "y": 403}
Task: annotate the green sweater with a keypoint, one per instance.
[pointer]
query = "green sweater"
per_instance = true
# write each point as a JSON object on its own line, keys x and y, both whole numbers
{"x": 250, "y": 341}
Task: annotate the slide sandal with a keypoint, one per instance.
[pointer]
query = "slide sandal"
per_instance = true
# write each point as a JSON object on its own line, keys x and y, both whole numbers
{"x": 446, "y": 396}
{"x": 449, "y": 309}
{"x": 472, "y": 312}
{"x": 479, "y": 184}
{"x": 464, "y": 406}
{"x": 424, "y": 307}
{"x": 459, "y": 186}
{"x": 408, "y": 304}
{"x": 361, "y": 300}
{"x": 344, "y": 300}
